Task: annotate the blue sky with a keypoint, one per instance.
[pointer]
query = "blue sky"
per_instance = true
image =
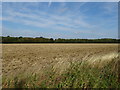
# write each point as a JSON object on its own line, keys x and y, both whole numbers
{"x": 60, "y": 19}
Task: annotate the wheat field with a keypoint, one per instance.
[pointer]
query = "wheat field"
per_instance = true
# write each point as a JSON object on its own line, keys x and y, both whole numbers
{"x": 60, "y": 66}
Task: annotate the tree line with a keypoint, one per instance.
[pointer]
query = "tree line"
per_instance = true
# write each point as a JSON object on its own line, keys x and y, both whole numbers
{"x": 20, "y": 39}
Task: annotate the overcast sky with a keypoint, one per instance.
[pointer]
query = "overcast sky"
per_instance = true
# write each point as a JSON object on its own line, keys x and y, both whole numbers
{"x": 60, "y": 20}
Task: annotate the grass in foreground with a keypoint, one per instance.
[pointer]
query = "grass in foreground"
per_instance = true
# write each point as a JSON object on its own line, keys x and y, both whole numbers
{"x": 80, "y": 74}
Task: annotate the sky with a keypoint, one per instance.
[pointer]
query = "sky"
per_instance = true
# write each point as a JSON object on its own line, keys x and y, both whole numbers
{"x": 88, "y": 20}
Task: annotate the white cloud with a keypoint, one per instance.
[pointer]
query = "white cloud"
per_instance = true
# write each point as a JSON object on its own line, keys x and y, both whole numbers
{"x": 110, "y": 7}
{"x": 71, "y": 22}
{"x": 65, "y": 22}
{"x": 49, "y": 3}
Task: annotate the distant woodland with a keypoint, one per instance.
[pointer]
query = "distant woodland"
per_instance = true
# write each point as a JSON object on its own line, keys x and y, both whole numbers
{"x": 20, "y": 39}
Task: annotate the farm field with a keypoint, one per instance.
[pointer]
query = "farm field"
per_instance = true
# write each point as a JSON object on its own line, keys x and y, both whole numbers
{"x": 60, "y": 66}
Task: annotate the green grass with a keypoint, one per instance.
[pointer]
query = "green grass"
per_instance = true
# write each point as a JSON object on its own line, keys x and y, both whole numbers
{"x": 80, "y": 74}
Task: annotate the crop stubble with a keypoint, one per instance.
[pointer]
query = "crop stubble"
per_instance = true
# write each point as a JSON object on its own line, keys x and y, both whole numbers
{"x": 37, "y": 58}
